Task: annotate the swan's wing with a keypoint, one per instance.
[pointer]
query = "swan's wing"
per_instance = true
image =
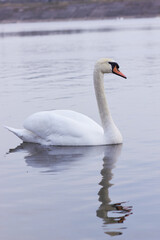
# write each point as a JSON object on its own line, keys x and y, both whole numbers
{"x": 63, "y": 127}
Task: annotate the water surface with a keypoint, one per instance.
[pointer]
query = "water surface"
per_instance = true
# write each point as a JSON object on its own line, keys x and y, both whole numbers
{"x": 86, "y": 192}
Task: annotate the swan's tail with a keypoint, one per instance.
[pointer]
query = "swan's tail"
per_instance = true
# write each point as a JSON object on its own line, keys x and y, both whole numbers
{"x": 18, "y": 132}
{"x": 24, "y": 134}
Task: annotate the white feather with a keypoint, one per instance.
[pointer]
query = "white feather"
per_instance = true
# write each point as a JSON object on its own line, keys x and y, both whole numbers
{"x": 69, "y": 128}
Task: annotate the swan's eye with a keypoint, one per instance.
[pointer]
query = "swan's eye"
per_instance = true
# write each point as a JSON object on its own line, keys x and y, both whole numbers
{"x": 114, "y": 64}
{"x": 117, "y": 65}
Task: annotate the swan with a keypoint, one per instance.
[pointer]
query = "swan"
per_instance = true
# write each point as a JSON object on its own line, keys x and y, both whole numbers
{"x": 70, "y": 128}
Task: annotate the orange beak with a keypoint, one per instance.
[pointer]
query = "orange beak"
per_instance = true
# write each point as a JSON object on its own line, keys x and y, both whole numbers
{"x": 117, "y": 72}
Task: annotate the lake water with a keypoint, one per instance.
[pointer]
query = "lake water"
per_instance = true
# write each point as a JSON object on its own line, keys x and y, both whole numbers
{"x": 83, "y": 193}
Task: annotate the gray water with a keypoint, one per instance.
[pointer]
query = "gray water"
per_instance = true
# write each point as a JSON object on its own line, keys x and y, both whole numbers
{"x": 83, "y": 193}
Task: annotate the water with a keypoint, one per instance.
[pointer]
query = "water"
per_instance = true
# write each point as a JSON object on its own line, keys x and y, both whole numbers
{"x": 85, "y": 193}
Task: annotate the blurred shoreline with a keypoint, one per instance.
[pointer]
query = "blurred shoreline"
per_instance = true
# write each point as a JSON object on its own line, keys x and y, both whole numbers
{"x": 25, "y": 11}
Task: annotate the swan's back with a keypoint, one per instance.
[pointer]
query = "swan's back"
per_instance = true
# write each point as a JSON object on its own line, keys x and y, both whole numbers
{"x": 64, "y": 127}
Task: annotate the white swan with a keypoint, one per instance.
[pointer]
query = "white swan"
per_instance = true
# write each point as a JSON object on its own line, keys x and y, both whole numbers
{"x": 69, "y": 128}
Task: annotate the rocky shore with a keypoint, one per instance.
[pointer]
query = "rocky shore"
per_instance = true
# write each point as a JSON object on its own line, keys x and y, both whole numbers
{"x": 13, "y": 11}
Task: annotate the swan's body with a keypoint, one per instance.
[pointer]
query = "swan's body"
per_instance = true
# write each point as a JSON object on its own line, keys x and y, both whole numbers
{"x": 69, "y": 128}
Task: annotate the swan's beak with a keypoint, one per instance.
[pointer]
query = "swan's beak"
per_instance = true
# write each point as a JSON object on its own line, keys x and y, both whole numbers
{"x": 117, "y": 72}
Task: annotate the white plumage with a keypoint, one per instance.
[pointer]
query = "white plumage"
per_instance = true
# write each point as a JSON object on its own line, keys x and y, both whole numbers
{"x": 69, "y": 128}
{"x": 60, "y": 127}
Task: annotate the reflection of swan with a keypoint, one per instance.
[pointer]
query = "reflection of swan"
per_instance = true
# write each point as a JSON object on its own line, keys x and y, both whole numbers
{"x": 51, "y": 159}
{"x": 55, "y": 159}
{"x": 119, "y": 212}
{"x": 64, "y": 127}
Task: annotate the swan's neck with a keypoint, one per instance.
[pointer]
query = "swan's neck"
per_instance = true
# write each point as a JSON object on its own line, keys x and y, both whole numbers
{"x": 105, "y": 115}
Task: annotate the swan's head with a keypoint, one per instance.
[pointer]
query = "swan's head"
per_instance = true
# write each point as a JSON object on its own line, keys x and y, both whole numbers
{"x": 107, "y": 65}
